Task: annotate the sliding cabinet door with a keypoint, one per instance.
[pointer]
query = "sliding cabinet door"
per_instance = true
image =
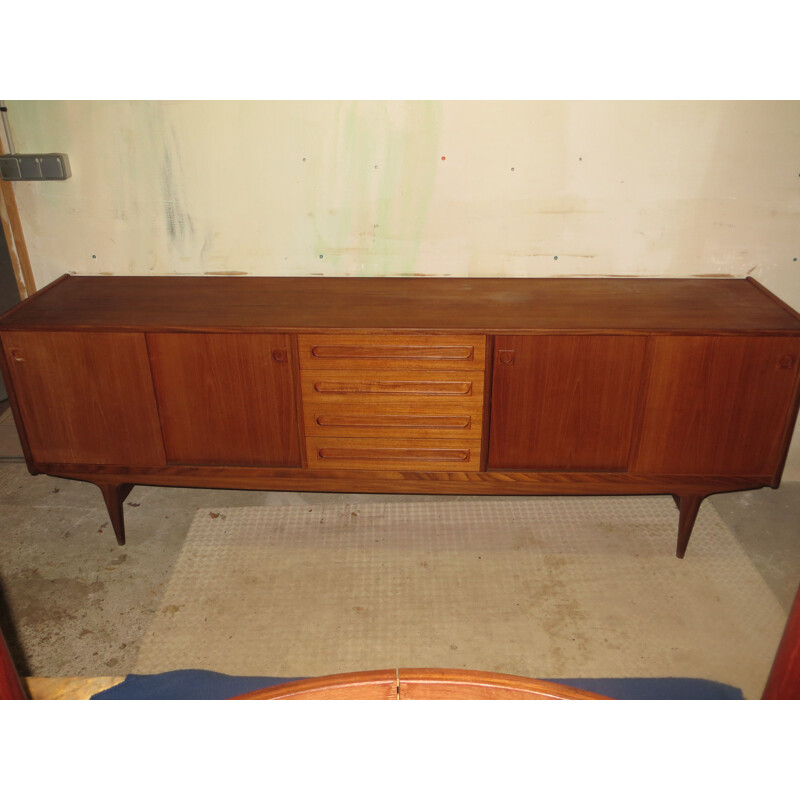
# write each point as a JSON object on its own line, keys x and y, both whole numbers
{"x": 717, "y": 405}
{"x": 564, "y": 402}
{"x": 85, "y": 398}
{"x": 226, "y": 398}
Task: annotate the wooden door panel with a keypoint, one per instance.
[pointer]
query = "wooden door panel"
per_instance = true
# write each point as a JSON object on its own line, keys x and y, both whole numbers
{"x": 564, "y": 402}
{"x": 85, "y": 398}
{"x": 226, "y": 399}
{"x": 717, "y": 405}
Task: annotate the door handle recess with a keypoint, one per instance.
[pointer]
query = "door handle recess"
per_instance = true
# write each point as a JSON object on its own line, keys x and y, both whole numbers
{"x": 505, "y": 357}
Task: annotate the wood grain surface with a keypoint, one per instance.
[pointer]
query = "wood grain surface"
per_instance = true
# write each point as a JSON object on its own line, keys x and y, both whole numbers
{"x": 409, "y": 480}
{"x": 404, "y": 305}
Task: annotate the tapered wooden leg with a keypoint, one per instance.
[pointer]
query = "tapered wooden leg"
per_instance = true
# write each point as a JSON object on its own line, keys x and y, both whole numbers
{"x": 114, "y": 494}
{"x": 689, "y": 505}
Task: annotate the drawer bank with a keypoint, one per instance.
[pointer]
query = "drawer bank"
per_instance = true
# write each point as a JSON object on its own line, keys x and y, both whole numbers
{"x": 487, "y": 386}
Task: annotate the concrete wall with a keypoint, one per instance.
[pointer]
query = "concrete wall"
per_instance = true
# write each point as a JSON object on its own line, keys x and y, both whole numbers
{"x": 419, "y": 188}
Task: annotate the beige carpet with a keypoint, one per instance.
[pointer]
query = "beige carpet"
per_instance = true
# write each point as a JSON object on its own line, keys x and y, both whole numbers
{"x": 541, "y": 587}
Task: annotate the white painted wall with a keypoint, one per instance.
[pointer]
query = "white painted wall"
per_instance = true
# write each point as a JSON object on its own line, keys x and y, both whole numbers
{"x": 419, "y": 188}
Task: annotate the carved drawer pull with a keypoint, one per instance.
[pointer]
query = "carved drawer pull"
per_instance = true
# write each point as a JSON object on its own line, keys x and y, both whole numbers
{"x": 391, "y": 421}
{"x": 786, "y": 362}
{"x": 17, "y": 354}
{"x": 391, "y": 454}
{"x": 434, "y": 353}
{"x": 279, "y": 355}
{"x": 394, "y": 387}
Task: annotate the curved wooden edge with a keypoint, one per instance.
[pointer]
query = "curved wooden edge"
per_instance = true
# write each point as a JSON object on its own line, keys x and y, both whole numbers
{"x": 455, "y": 684}
{"x": 420, "y": 684}
{"x": 378, "y": 684}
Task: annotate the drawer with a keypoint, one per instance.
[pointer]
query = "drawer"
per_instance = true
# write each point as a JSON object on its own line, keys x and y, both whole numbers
{"x": 423, "y": 455}
{"x": 367, "y": 388}
{"x": 388, "y": 352}
{"x": 393, "y": 419}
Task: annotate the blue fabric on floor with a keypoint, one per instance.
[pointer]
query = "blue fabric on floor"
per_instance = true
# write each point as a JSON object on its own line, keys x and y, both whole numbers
{"x": 198, "y": 684}
{"x": 656, "y": 688}
{"x": 186, "y": 684}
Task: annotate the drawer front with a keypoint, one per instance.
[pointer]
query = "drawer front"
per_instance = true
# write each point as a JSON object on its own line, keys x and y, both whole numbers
{"x": 381, "y": 453}
{"x": 367, "y": 388}
{"x": 392, "y": 402}
{"x": 393, "y": 419}
{"x": 423, "y": 352}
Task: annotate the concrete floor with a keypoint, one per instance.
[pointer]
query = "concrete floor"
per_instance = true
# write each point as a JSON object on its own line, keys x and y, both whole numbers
{"x": 74, "y": 603}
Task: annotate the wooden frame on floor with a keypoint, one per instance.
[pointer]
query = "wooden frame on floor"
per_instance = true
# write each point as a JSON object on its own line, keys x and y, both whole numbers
{"x": 15, "y": 240}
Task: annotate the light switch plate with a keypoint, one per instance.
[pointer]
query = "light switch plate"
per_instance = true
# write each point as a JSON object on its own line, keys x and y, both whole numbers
{"x": 35, "y": 167}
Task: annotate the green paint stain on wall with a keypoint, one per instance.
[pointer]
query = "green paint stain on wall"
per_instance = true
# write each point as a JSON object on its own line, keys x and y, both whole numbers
{"x": 375, "y": 186}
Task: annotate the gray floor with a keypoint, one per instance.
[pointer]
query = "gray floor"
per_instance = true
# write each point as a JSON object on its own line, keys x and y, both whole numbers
{"x": 74, "y": 603}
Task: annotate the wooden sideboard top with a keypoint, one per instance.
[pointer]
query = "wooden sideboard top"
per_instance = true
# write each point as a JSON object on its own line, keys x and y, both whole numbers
{"x": 483, "y": 305}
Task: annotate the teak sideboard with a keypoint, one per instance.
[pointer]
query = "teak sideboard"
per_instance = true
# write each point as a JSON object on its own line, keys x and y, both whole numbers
{"x": 487, "y": 386}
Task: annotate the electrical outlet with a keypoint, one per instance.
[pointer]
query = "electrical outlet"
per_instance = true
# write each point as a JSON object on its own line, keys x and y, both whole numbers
{"x": 35, "y": 167}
